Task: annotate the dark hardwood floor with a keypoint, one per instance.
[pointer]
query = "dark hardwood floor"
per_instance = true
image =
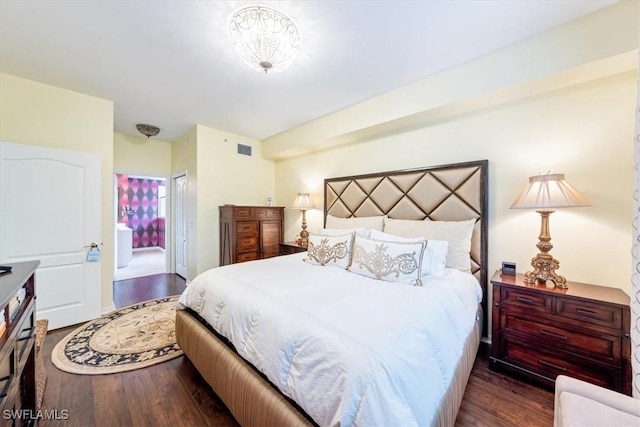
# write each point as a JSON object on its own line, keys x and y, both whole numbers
{"x": 174, "y": 394}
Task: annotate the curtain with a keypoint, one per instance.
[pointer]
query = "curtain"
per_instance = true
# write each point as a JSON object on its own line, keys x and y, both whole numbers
{"x": 635, "y": 277}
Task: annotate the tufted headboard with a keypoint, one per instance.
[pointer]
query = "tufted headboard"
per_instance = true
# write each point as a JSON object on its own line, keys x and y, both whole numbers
{"x": 453, "y": 192}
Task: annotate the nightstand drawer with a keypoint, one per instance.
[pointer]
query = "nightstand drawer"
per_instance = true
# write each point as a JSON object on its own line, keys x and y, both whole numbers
{"x": 550, "y": 365}
{"x": 597, "y": 314}
{"x": 526, "y": 300}
{"x": 288, "y": 248}
{"x": 602, "y": 347}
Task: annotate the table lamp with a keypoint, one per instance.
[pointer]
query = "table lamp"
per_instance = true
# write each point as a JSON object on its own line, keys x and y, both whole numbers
{"x": 303, "y": 202}
{"x": 544, "y": 192}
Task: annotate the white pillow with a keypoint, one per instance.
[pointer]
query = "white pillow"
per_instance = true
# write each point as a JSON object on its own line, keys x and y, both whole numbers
{"x": 434, "y": 259}
{"x": 334, "y": 251}
{"x": 373, "y": 222}
{"x": 457, "y": 233}
{"x": 389, "y": 261}
{"x": 364, "y": 232}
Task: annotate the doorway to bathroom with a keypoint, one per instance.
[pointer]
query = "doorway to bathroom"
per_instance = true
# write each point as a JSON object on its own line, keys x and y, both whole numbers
{"x": 140, "y": 235}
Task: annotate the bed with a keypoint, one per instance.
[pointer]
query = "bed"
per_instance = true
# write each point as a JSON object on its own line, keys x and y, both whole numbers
{"x": 238, "y": 367}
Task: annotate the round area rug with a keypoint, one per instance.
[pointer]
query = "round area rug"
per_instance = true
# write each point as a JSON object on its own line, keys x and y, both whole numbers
{"x": 133, "y": 337}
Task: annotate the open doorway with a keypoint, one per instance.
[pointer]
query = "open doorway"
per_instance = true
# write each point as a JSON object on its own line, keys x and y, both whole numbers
{"x": 140, "y": 233}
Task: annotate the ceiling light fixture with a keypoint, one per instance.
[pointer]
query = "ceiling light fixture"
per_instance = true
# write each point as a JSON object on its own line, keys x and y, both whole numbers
{"x": 148, "y": 130}
{"x": 265, "y": 39}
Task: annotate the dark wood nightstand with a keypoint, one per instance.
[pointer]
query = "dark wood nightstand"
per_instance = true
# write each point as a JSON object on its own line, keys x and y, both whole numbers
{"x": 288, "y": 248}
{"x": 541, "y": 332}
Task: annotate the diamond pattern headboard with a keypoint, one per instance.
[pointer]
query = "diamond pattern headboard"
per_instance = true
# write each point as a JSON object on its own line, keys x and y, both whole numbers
{"x": 452, "y": 192}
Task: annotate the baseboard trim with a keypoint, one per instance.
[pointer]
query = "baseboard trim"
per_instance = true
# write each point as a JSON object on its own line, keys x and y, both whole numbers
{"x": 108, "y": 309}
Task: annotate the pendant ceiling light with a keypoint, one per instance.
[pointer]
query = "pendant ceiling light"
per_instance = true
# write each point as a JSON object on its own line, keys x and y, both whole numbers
{"x": 147, "y": 130}
{"x": 265, "y": 39}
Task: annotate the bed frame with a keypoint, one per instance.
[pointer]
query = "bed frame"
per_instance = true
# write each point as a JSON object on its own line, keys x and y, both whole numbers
{"x": 449, "y": 192}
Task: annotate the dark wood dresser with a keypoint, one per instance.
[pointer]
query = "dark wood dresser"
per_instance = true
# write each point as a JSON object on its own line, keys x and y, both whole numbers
{"x": 17, "y": 354}
{"x": 542, "y": 332}
{"x": 250, "y": 232}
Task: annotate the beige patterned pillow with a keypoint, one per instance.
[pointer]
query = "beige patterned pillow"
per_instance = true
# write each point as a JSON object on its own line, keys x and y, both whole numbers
{"x": 389, "y": 261}
{"x": 334, "y": 251}
{"x": 457, "y": 233}
{"x": 434, "y": 256}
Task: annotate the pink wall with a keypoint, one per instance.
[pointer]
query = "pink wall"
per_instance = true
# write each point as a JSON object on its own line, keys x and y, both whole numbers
{"x": 142, "y": 196}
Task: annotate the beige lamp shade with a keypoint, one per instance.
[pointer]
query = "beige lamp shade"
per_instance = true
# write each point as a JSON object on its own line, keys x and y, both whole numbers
{"x": 549, "y": 191}
{"x": 302, "y": 202}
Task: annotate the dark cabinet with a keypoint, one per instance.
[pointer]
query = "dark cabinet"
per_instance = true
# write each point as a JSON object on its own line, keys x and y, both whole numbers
{"x": 17, "y": 337}
{"x": 542, "y": 332}
{"x": 248, "y": 233}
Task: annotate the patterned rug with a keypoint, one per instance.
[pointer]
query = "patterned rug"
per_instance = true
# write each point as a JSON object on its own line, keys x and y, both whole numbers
{"x": 133, "y": 337}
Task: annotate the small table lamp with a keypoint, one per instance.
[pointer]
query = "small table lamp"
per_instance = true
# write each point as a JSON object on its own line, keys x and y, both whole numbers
{"x": 303, "y": 203}
{"x": 542, "y": 193}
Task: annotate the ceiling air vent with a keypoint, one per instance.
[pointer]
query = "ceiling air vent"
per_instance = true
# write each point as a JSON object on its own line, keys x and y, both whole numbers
{"x": 244, "y": 149}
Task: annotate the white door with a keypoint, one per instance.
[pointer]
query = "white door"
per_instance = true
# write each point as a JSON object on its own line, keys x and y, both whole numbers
{"x": 50, "y": 210}
{"x": 180, "y": 186}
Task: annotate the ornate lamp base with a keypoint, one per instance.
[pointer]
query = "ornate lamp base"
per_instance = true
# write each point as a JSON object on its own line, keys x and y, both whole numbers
{"x": 304, "y": 234}
{"x": 544, "y": 268}
{"x": 545, "y": 265}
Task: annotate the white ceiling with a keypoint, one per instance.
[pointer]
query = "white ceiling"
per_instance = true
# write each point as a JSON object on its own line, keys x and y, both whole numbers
{"x": 170, "y": 63}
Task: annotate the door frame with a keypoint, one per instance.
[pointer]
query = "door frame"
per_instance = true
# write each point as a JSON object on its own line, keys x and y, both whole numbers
{"x": 174, "y": 227}
{"x": 169, "y": 214}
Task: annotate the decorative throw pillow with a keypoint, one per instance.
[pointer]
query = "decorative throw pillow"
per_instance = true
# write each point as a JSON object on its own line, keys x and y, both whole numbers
{"x": 434, "y": 259}
{"x": 332, "y": 251}
{"x": 373, "y": 222}
{"x": 389, "y": 261}
{"x": 457, "y": 233}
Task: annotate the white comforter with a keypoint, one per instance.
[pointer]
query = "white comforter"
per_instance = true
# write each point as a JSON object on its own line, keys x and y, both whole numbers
{"x": 348, "y": 349}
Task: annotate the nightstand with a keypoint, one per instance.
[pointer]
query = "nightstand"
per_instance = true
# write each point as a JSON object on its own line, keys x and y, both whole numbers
{"x": 541, "y": 332}
{"x": 288, "y": 248}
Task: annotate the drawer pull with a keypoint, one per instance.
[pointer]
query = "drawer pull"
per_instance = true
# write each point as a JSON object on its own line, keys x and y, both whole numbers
{"x": 524, "y": 300}
{"x": 589, "y": 313}
{"x": 552, "y": 365}
{"x": 552, "y": 334}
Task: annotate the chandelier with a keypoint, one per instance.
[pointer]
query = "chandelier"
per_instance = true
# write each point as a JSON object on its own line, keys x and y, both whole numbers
{"x": 265, "y": 39}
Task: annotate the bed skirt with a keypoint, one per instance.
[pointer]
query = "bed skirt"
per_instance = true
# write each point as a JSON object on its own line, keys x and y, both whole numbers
{"x": 254, "y": 401}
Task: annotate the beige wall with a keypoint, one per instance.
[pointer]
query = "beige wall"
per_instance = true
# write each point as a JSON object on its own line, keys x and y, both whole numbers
{"x": 225, "y": 177}
{"x": 140, "y": 155}
{"x": 564, "y": 100}
{"x": 38, "y": 114}
{"x": 585, "y": 132}
{"x": 184, "y": 162}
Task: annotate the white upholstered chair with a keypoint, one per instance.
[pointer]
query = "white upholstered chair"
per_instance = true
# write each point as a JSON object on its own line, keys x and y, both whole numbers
{"x": 581, "y": 404}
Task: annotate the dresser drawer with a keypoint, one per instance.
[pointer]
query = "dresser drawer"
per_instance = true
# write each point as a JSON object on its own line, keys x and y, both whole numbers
{"x": 242, "y": 212}
{"x": 596, "y": 314}
{"x": 268, "y": 213}
{"x": 246, "y": 228}
{"x": 602, "y": 347}
{"x": 526, "y": 301}
{"x": 246, "y": 256}
{"x": 247, "y": 243}
{"x": 551, "y": 364}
